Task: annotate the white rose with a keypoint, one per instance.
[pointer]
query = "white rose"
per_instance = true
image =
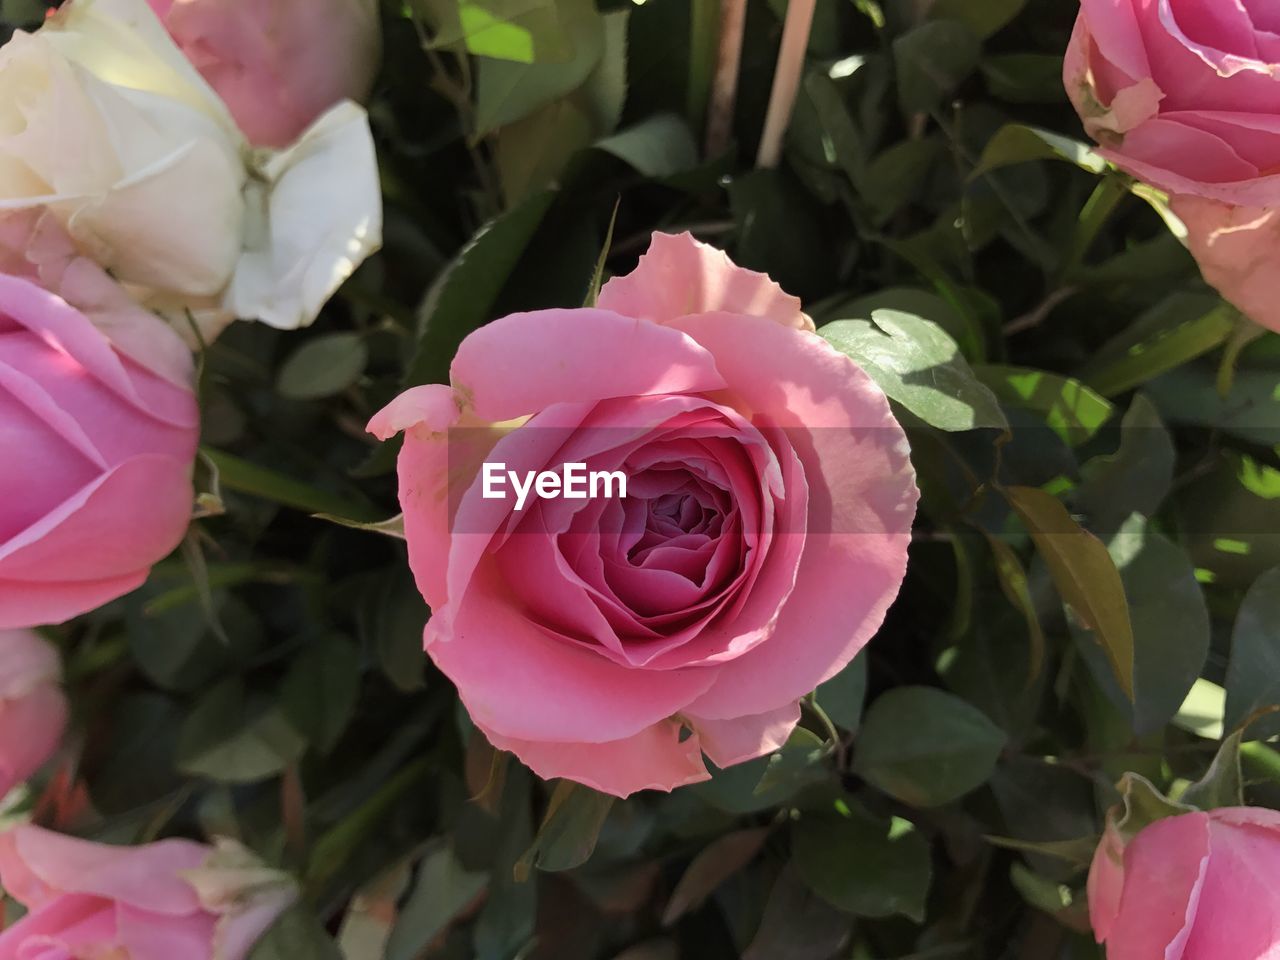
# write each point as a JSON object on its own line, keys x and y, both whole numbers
{"x": 104, "y": 122}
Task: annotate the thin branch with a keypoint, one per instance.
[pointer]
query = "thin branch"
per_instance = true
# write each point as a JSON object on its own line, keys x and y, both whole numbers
{"x": 786, "y": 80}
{"x": 724, "y": 82}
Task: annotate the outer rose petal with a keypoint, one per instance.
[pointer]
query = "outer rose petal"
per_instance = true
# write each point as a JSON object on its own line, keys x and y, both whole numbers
{"x": 310, "y": 247}
{"x": 1238, "y": 250}
{"x": 498, "y": 659}
{"x": 1164, "y": 867}
{"x": 526, "y": 362}
{"x": 1244, "y": 855}
{"x": 680, "y": 276}
{"x": 23, "y": 603}
{"x": 38, "y": 865}
{"x": 653, "y": 759}
{"x": 30, "y": 730}
{"x": 1106, "y": 883}
{"x": 862, "y": 498}
{"x": 26, "y": 662}
{"x": 740, "y": 739}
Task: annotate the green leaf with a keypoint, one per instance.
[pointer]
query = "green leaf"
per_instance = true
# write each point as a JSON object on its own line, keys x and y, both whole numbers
{"x": 522, "y": 30}
{"x": 1024, "y": 77}
{"x": 569, "y": 831}
{"x": 983, "y": 17}
{"x": 533, "y": 152}
{"x": 1141, "y": 805}
{"x": 321, "y": 689}
{"x": 1078, "y": 852}
{"x": 1084, "y": 573}
{"x": 926, "y": 747}
{"x": 932, "y": 60}
{"x": 1173, "y": 332}
{"x": 296, "y": 933}
{"x": 463, "y": 296}
{"x": 1071, "y": 409}
{"x": 1041, "y": 892}
{"x": 917, "y": 364}
{"x": 1014, "y": 585}
{"x": 713, "y": 865}
{"x": 1016, "y": 143}
{"x": 1170, "y": 622}
{"x": 1135, "y": 479}
{"x": 868, "y": 867}
{"x": 323, "y": 366}
{"x": 842, "y": 696}
{"x": 792, "y": 766}
{"x": 507, "y": 91}
{"x": 259, "y": 481}
{"x": 442, "y": 890}
{"x": 1189, "y": 395}
{"x": 1202, "y": 712}
{"x": 1253, "y": 674}
{"x": 658, "y": 146}
{"x": 228, "y": 739}
{"x": 1223, "y": 784}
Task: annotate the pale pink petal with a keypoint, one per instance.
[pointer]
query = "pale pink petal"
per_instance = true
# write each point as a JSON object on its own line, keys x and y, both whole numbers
{"x": 679, "y": 276}
{"x": 1164, "y": 874}
{"x": 499, "y": 658}
{"x": 526, "y": 362}
{"x": 31, "y": 728}
{"x": 37, "y": 865}
{"x": 27, "y": 661}
{"x": 740, "y": 739}
{"x": 148, "y": 935}
{"x": 652, "y": 759}
{"x": 131, "y": 517}
{"x": 1239, "y": 900}
{"x": 25, "y": 604}
{"x": 1238, "y": 253}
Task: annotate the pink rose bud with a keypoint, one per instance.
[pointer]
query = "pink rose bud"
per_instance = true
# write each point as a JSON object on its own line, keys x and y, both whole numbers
{"x": 1184, "y": 97}
{"x": 95, "y": 486}
{"x": 173, "y": 899}
{"x": 33, "y": 711}
{"x": 616, "y": 639}
{"x": 1200, "y": 886}
{"x": 278, "y": 65}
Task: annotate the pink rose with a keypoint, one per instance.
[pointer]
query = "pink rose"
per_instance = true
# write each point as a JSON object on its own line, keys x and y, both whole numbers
{"x": 1182, "y": 93}
{"x": 1183, "y": 96}
{"x": 33, "y": 711}
{"x": 95, "y": 484}
{"x": 616, "y": 640}
{"x": 162, "y": 901}
{"x": 1200, "y": 886}
{"x": 278, "y": 65}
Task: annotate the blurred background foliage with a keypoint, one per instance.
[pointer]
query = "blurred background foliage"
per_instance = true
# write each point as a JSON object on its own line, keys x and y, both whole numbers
{"x": 1042, "y": 332}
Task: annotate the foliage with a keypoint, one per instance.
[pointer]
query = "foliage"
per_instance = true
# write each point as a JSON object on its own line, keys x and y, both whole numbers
{"x": 1095, "y": 560}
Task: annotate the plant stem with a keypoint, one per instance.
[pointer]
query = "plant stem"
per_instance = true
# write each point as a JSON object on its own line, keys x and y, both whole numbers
{"x": 724, "y": 82}
{"x": 786, "y": 80}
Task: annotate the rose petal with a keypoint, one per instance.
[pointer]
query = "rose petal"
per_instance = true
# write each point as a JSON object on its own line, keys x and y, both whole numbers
{"x": 679, "y": 276}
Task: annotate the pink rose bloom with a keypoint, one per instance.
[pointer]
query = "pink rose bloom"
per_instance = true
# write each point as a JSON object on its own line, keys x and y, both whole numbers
{"x": 616, "y": 640}
{"x": 95, "y": 484}
{"x": 278, "y": 64}
{"x": 98, "y": 902}
{"x": 1200, "y": 886}
{"x": 1182, "y": 94}
{"x": 33, "y": 711}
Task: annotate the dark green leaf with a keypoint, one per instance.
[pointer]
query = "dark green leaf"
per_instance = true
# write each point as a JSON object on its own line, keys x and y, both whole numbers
{"x": 931, "y": 61}
{"x": 1253, "y": 675}
{"x": 1070, "y": 409}
{"x": 321, "y": 689}
{"x": 229, "y": 739}
{"x": 869, "y": 868}
{"x": 323, "y": 366}
{"x": 1084, "y": 573}
{"x": 569, "y": 831}
{"x": 926, "y": 747}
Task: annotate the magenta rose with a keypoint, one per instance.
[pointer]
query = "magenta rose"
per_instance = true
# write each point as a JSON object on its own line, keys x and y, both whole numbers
{"x": 278, "y": 64}
{"x": 1182, "y": 94}
{"x": 616, "y": 640}
{"x": 1200, "y": 886}
{"x": 172, "y": 900}
{"x": 95, "y": 484}
{"x": 33, "y": 710}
